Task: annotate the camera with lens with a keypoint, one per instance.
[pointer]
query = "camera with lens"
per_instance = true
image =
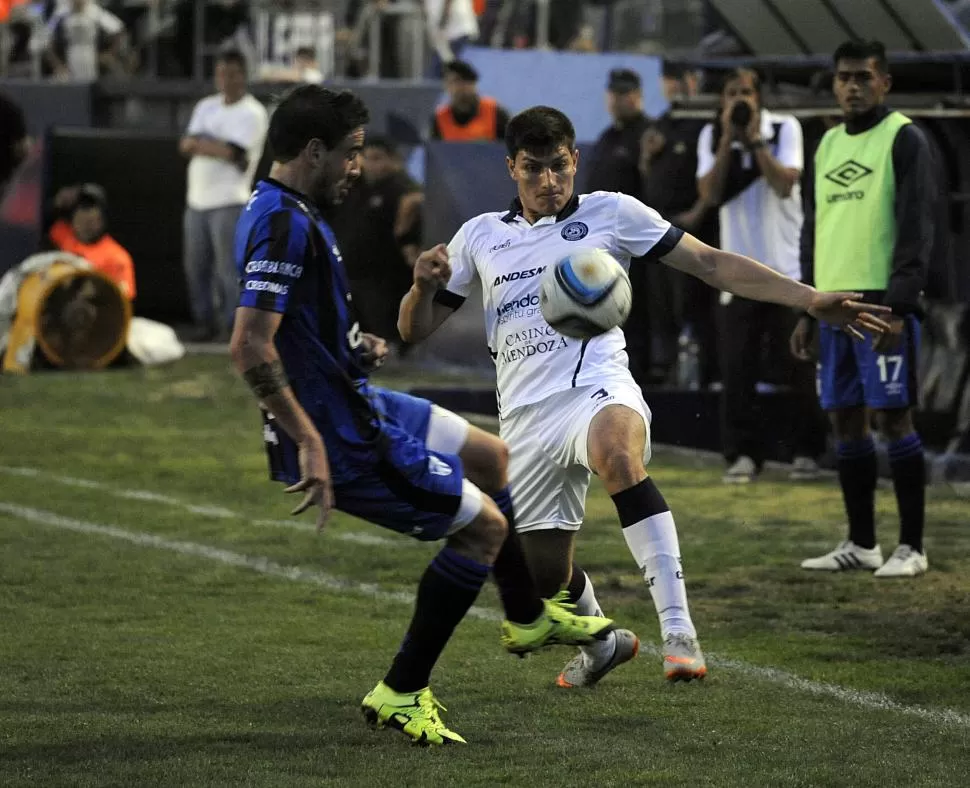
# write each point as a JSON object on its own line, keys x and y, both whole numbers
{"x": 741, "y": 115}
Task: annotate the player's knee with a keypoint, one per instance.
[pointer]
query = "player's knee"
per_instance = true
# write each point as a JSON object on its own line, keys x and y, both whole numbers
{"x": 487, "y": 532}
{"x": 621, "y": 468}
{"x": 486, "y": 460}
{"x": 849, "y": 424}
{"x": 895, "y": 424}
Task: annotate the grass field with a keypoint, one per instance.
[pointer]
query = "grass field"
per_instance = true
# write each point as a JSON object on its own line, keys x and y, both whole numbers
{"x": 165, "y": 623}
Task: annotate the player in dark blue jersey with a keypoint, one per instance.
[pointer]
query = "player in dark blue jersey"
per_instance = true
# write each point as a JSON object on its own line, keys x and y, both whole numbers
{"x": 392, "y": 459}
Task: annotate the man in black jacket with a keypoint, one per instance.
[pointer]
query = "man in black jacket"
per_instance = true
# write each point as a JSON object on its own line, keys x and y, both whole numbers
{"x": 614, "y": 167}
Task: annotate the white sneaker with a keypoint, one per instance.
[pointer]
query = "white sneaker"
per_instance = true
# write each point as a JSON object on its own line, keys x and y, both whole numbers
{"x": 848, "y": 555}
{"x": 742, "y": 472}
{"x": 904, "y": 562}
{"x": 804, "y": 469}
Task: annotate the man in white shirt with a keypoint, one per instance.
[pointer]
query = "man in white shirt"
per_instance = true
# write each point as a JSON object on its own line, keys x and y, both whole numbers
{"x": 452, "y": 25}
{"x": 224, "y": 142}
{"x": 570, "y": 408}
{"x": 83, "y": 37}
{"x": 749, "y": 162}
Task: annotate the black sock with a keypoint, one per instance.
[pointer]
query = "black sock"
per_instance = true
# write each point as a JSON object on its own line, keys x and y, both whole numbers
{"x": 908, "y": 468}
{"x": 447, "y": 589}
{"x": 858, "y": 473}
{"x": 577, "y": 584}
{"x": 516, "y": 587}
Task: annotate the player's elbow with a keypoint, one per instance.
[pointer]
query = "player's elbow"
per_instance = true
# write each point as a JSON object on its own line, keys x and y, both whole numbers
{"x": 245, "y": 348}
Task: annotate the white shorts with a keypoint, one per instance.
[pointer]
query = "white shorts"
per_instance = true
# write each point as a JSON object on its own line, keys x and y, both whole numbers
{"x": 549, "y": 462}
{"x": 447, "y": 433}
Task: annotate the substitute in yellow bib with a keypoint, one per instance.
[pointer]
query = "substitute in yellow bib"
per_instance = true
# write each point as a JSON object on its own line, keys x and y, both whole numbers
{"x": 869, "y": 228}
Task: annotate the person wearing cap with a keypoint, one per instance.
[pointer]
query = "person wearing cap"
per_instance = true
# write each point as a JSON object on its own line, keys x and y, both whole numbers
{"x": 467, "y": 117}
{"x": 613, "y": 167}
{"x": 615, "y": 157}
{"x": 668, "y": 162}
{"x": 81, "y": 229}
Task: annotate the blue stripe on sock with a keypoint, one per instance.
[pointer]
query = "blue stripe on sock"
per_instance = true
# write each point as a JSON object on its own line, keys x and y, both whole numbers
{"x": 469, "y": 564}
{"x": 451, "y": 577}
{"x": 444, "y": 566}
{"x": 909, "y": 446}
{"x": 858, "y": 448}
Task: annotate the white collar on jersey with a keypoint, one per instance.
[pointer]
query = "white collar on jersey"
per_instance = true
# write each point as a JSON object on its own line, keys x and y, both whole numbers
{"x": 515, "y": 212}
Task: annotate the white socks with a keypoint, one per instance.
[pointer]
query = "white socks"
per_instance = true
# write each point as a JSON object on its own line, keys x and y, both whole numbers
{"x": 653, "y": 543}
{"x": 599, "y": 652}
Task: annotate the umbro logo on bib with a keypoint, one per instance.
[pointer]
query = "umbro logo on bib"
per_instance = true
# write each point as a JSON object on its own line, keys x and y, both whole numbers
{"x": 848, "y": 173}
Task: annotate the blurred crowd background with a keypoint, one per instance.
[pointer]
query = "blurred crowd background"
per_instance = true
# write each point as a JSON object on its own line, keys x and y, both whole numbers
{"x": 110, "y": 132}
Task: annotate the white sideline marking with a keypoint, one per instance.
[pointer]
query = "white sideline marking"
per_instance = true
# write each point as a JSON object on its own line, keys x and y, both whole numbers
{"x": 873, "y": 701}
{"x": 259, "y": 564}
{"x": 219, "y": 512}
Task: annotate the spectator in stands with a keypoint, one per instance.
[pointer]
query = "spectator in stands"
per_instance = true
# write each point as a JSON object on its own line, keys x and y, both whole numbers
{"x": 304, "y": 69}
{"x": 355, "y": 38}
{"x": 614, "y": 167}
{"x": 467, "y": 117}
{"x": 14, "y": 143}
{"x": 749, "y": 162}
{"x": 378, "y": 226}
{"x": 223, "y": 142}
{"x": 85, "y": 40}
{"x": 81, "y": 229}
{"x": 452, "y": 25}
{"x": 668, "y": 163}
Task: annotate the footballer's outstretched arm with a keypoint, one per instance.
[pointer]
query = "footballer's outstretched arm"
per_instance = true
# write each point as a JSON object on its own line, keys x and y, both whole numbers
{"x": 421, "y": 314}
{"x": 748, "y": 278}
{"x": 255, "y": 357}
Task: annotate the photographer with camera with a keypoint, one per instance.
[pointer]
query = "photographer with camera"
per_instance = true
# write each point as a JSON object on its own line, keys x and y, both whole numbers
{"x": 749, "y": 163}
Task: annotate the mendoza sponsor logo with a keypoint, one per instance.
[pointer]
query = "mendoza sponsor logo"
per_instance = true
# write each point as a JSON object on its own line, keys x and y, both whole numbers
{"x": 847, "y": 174}
{"x": 292, "y": 270}
{"x": 531, "y": 342}
{"x": 526, "y": 306}
{"x": 515, "y": 276}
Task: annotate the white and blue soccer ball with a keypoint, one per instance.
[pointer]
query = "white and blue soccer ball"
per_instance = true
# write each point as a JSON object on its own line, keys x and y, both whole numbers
{"x": 585, "y": 294}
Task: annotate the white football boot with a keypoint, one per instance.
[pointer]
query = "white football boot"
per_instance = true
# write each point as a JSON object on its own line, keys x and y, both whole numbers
{"x": 848, "y": 555}
{"x": 904, "y": 562}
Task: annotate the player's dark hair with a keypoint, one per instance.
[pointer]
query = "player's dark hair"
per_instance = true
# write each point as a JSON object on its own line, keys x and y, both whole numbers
{"x": 740, "y": 73}
{"x": 313, "y": 112}
{"x": 539, "y": 130}
{"x": 307, "y": 52}
{"x": 385, "y": 144}
{"x": 232, "y": 57}
{"x": 863, "y": 50}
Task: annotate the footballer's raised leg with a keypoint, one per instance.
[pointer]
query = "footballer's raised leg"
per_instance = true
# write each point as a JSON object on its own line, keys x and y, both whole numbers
{"x": 618, "y": 450}
{"x": 534, "y": 617}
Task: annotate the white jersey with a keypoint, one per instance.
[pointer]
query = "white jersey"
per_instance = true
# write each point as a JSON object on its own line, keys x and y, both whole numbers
{"x": 508, "y": 256}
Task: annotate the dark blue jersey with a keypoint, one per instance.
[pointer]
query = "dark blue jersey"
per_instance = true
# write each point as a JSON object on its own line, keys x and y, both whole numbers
{"x": 289, "y": 263}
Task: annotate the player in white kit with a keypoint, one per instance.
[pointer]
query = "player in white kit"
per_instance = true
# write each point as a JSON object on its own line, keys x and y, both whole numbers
{"x": 570, "y": 408}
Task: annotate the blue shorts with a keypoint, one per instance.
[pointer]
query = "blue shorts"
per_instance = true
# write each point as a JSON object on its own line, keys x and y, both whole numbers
{"x": 851, "y": 374}
{"x": 407, "y": 488}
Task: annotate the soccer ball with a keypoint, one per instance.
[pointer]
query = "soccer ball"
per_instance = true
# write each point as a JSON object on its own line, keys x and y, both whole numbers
{"x": 585, "y": 294}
